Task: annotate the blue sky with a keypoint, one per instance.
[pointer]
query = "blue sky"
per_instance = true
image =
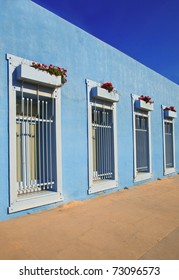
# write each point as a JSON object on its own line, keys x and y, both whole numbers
{"x": 147, "y": 30}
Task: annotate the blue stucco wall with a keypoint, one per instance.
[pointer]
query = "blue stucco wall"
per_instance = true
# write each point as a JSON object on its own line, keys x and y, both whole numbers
{"x": 29, "y": 31}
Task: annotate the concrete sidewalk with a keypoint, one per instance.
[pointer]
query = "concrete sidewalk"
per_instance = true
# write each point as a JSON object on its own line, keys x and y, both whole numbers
{"x": 137, "y": 223}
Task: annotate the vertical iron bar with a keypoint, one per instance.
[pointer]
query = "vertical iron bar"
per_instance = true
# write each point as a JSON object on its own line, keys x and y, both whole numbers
{"x": 97, "y": 144}
{"x": 93, "y": 127}
{"x": 110, "y": 152}
{"x": 104, "y": 145}
{"x": 106, "y": 158}
{"x": 31, "y": 150}
{"x": 35, "y": 147}
{"x": 39, "y": 144}
{"x": 19, "y": 167}
{"x": 30, "y": 147}
{"x": 47, "y": 142}
{"x": 107, "y": 148}
{"x": 20, "y": 140}
{"x": 102, "y": 142}
{"x": 19, "y": 152}
{"x": 23, "y": 147}
{"x": 50, "y": 143}
{"x": 27, "y": 145}
{"x": 43, "y": 148}
{"x": 99, "y": 147}
{"x": 93, "y": 141}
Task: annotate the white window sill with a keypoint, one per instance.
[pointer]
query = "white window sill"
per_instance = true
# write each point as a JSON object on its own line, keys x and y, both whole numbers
{"x": 102, "y": 186}
{"x": 169, "y": 170}
{"x": 142, "y": 176}
{"x": 28, "y": 201}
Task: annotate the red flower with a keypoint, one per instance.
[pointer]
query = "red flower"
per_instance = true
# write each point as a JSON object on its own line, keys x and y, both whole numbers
{"x": 171, "y": 108}
{"x": 147, "y": 99}
{"x": 108, "y": 86}
{"x": 52, "y": 70}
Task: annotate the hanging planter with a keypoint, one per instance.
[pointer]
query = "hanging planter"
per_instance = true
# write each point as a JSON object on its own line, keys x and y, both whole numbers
{"x": 105, "y": 92}
{"x": 144, "y": 103}
{"x": 170, "y": 112}
{"x": 50, "y": 76}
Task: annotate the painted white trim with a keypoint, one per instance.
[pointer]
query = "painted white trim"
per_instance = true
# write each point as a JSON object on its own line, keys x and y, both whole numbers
{"x": 36, "y": 199}
{"x": 95, "y": 187}
{"x": 141, "y": 176}
{"x": 166, "y": 170}
{"x": 105, "y": 185}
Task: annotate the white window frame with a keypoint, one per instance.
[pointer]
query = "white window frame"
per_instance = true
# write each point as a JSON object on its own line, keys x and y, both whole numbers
{"x": 95, "y": 187}
{"x": 137, "y": 175}
{"x": 19, "y": 203}
{"x": 167, "y": 170}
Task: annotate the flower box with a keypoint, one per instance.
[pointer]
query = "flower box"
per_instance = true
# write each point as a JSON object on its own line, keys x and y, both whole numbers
{"x": 170, "y": 114}
{"x": 147, "y": 106}
{"x": 29, "y": 74}
{"x": 103, "y": 94}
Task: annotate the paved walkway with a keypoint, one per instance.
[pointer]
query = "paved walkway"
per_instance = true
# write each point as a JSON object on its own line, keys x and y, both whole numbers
{"x": 137, "y": 223}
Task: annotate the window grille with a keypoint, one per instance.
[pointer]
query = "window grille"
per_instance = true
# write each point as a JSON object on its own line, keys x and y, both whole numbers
{"x": 142, "y": 143}
{"x": 102, "y": 138}
{"x": 34, "y": 128}
{"x": 169, "y": 153}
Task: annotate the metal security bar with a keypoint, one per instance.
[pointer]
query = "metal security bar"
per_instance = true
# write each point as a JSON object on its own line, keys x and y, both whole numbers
{"x": 169, "y": 144}
{"x": 34, "y": 121}
{"x": 102, "y": 137}
{"x": 142, "y": 143}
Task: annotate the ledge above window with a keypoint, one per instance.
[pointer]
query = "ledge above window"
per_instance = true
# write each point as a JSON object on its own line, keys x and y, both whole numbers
{"x": 29, "y": 74}
{"x": 103, "y": 94}
{"x": 140, "y": 104}
{"x": 170, "y": 114}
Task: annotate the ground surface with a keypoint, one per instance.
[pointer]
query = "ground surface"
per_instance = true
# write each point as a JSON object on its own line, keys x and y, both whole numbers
{"x": 137, "y": 223}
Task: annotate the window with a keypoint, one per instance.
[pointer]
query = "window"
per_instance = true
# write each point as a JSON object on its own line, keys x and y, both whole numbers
{"x": 102, "y": 146}
{"x": 34, "y": 143}
{"x": 169, "y": 143}
{"x": 142, "y": 142}
{"x": 169, "y": 156}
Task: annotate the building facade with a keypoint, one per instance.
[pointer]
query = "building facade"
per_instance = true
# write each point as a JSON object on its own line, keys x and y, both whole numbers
{"x": 69, "y": 140}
